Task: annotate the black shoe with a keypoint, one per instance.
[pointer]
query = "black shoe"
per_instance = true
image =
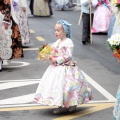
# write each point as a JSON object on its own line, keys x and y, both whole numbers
{"x": 1, "y": 70}
{"x": 88, "y": 41}
{"x": 84, "y": 42}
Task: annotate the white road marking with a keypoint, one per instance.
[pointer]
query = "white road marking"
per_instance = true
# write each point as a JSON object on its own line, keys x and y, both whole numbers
{"x": 16, "y": 62}
{"x": 98, "y": 87}
{"x": 25, "y": 99}
{"x": 27, "y": 49}
{"x": 18, "y": 100}
{"x": 9, "y": 85}
{"x": 40, "y": 38}
{"x": 22, "y": 80}
{"x": 32, "y": 31}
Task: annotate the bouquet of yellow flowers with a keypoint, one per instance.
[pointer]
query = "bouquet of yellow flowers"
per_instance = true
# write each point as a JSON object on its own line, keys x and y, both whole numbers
{"x": 44, "y": 52}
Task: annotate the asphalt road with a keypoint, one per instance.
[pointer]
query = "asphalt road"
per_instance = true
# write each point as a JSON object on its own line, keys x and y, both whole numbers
{"x": 20, "y": 77}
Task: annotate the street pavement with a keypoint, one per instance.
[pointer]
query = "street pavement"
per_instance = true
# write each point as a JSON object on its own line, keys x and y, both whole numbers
{"x": 20, "y": 77}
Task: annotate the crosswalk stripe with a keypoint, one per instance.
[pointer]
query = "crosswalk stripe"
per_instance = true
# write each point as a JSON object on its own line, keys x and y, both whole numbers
{"x": 22, "y": 80}
{"x": 18, "y": 100}
{"x": 99, "y": 88}
{"x": 24, "y": 99}
{"x": 9, "y": 85}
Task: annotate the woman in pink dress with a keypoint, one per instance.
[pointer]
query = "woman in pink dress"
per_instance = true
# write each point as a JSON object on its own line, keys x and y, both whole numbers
{"x": 102, "y": 17}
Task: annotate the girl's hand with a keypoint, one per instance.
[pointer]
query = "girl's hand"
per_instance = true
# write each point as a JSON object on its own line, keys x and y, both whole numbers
{"x": 53, "y": 59}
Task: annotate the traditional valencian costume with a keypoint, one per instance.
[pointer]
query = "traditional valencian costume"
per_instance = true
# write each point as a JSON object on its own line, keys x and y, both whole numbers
{"x": 63, "y": 84}
{"x": 22, "y": 19}
{"x": 11, "y": 37}
{"x": 102, "y": 17}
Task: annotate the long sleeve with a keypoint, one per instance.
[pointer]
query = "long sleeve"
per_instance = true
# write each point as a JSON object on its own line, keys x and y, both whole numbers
{"x": 66, "y": 56}
{"x": 66, "y": 51}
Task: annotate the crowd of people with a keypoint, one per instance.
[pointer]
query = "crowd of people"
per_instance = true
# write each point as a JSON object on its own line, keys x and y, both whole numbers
{"x": 73, "y": 88}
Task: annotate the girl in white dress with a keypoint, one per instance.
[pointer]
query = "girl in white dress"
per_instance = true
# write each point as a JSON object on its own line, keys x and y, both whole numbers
{"x": 63, "y": 84}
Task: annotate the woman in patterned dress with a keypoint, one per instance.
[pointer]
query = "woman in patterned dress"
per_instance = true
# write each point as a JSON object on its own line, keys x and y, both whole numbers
{"x": 15, "y": 37}
{"x": 102, "y": 17}
{"x": 20, "y": 8}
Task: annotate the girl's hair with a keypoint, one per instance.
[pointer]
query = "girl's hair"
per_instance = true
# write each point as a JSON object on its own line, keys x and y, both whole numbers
{"x": 66, "y": 27}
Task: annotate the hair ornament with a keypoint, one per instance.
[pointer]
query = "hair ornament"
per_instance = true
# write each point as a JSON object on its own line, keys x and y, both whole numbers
{"x": 66, "y": 27}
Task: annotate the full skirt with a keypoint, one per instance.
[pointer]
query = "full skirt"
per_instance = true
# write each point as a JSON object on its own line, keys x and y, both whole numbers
{"x": 101, "y": 19}
{"x": 63, "y": 86}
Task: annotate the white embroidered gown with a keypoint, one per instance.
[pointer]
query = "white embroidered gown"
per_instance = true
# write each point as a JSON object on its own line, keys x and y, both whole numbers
{"x": 63, "y": 84}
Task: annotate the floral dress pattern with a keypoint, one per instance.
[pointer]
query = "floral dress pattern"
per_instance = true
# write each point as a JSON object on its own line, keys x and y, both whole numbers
{"x": 5, "y": 43}
{"x": 102, "y": 17}
{"x": 22, "y": 22}
{"x": 116, "y": 111}
{"x": 17, "y": 51}
{"x": 63, "y": 84}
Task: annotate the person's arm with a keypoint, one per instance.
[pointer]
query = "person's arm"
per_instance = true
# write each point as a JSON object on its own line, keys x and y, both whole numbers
{"x": 67, "y": 56}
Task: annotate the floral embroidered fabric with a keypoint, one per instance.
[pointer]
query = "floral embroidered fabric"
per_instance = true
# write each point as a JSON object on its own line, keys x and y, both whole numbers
{"x": 63, "y": 84}
{"x": 5, "y": 43}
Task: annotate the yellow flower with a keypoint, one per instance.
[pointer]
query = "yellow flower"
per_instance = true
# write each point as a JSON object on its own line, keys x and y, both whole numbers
{"x": 114, "y": 1}
{"x": 45, "y": 52}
